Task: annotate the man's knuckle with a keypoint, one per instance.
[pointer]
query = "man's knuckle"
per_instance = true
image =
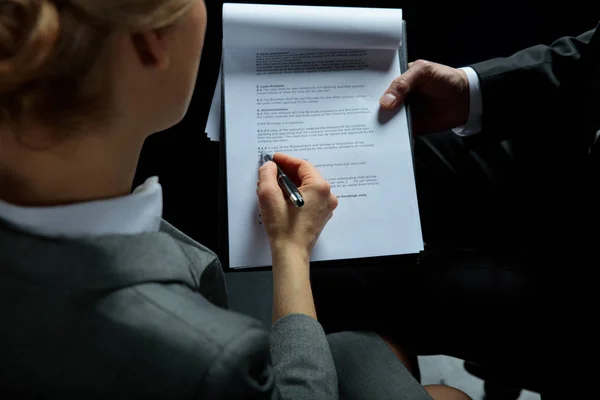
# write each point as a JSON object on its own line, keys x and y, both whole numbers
{"x": 400, "y": 84}
{"x": 427, "y": 67}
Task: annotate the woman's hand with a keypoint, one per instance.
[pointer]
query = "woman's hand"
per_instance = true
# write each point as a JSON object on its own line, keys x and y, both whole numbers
{"x": 292, "y": 229}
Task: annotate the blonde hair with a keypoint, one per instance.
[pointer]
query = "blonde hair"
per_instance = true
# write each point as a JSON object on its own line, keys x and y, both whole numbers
{"x": 48, "y": 49}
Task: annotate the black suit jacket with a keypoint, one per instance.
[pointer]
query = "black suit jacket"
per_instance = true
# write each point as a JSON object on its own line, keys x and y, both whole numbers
{"x": 546, "y": 101}
{"x": 544, "y": 89}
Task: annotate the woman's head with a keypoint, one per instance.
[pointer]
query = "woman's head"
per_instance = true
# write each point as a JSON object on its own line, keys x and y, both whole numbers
{"x": 127, "y": 63}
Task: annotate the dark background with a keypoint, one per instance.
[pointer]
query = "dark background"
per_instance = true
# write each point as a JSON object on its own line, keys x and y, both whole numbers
{"x": 452, "y": 33}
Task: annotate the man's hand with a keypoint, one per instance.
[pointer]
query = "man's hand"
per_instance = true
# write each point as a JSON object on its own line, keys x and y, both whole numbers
{"x": 438, "y": 96}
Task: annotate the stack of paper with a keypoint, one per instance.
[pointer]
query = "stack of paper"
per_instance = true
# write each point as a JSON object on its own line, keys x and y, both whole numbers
{"x": 306, "y": 81}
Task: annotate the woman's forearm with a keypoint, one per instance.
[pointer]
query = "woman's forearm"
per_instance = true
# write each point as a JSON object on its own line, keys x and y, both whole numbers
{"x": 292, "y": 293}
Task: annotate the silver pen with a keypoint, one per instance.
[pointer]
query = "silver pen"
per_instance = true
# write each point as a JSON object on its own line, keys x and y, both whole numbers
{"x": 286, "y": 184}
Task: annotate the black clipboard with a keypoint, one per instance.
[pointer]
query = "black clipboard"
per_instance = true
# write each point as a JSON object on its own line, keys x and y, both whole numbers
{"x": 223, "y": 229}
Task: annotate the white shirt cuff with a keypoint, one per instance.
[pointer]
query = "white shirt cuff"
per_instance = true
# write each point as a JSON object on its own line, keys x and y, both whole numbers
{"x": 473, "y": 124}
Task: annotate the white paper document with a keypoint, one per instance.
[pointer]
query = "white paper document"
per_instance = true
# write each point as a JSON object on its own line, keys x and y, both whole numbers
{"x": 306, "y": 81}
{"x": 213, "y": 123}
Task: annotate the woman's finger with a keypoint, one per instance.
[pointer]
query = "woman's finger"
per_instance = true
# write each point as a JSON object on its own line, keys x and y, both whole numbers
{"x": 268, "y": 187}
{"x": 300, "y": 171}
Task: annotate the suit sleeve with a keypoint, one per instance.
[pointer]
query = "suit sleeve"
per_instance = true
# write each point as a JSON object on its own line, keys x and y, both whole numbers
{"x": 524, "y": 92}
{"x": 302, "y": 359}
{"x": 295, "y": 362}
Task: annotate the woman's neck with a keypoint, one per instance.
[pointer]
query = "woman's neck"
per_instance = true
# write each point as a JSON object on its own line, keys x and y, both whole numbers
{"x": 90, "y": 166}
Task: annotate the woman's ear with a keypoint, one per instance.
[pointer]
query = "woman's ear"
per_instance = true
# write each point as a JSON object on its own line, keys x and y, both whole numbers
{"x": 152, "y": 49}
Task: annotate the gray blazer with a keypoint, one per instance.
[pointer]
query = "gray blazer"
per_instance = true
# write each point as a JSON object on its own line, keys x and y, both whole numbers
{"x": 143, "y": 316}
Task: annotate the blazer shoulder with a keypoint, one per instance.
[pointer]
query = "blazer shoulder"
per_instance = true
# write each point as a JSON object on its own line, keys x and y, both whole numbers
{"x": 173, "y": 331}
{"x": 205, "y": 267}
{"x": 185, "y": 240}
{"x": 172, "y": 310}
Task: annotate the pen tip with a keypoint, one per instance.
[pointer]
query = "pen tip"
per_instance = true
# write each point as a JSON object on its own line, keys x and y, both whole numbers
{"x": 265, "y": 156}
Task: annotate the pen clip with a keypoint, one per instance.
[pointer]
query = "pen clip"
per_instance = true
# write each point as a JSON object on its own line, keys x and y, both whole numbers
{"x": 290, "y": 190}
